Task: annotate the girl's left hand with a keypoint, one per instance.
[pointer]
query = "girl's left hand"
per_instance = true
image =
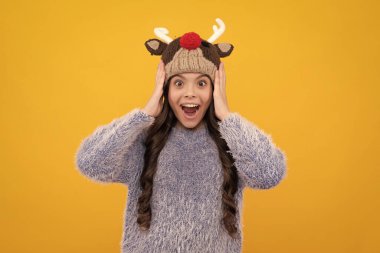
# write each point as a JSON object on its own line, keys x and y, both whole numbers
{"x": 220, "y": 97}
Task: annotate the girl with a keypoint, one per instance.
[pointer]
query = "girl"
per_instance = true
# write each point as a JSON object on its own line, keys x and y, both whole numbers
{"x": 184, "y": 157}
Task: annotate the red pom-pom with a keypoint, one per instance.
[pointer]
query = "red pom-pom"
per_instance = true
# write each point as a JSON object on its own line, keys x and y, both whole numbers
{"x": 190, "y": 40}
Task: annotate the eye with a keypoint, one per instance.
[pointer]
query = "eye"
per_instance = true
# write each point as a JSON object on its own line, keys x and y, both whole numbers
{"x": 204, "y": 83}
{"x": 177, "y": 81}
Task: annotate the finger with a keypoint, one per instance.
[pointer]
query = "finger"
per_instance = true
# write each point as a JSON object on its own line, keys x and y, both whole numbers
{"x": 223, "y": 82}
{"x": 162, "y": 69}
{"x": 160, "y": 72}
{"x": 216, "y": 81}
{"x": 159, "y": 65}
{"x": 222, "y": 76}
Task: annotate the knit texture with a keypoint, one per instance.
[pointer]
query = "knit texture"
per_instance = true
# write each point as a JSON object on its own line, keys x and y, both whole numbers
{"x": 187, "y": 188}
{"x": 189, "y": 61}
{"x": 189, "y": 53}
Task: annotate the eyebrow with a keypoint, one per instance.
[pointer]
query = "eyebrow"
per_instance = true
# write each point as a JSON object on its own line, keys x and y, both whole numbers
{"x": 186, "y": 78}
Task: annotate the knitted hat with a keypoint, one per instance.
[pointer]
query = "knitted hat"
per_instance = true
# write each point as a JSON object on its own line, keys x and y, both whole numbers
{"x": 189, "y": 53}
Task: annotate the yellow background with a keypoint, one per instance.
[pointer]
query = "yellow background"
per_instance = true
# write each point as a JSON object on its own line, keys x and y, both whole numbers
{"x": 306, "y": 72}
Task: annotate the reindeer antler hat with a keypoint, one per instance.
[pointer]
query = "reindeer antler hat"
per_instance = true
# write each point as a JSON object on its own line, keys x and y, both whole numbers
{"x": 189, "y": 53}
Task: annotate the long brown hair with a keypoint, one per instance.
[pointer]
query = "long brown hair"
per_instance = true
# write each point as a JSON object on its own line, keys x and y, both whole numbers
{"x": 157, "y": 135}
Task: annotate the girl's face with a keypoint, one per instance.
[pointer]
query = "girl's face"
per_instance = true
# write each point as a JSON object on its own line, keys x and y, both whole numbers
{"x": 190, "y": 89}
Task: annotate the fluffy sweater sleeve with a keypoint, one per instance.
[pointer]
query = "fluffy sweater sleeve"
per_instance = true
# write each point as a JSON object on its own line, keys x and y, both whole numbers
{"x": 259, "y": 162}
{"x": 110, "y": 153}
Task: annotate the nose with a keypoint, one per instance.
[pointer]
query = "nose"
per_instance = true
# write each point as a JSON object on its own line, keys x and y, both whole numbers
{"x": 189, "y": 92}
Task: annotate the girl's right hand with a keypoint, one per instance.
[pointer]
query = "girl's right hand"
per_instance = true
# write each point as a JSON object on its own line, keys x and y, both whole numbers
{"x": 155, "y": 103}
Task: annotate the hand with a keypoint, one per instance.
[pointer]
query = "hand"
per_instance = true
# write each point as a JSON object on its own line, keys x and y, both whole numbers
{"x": 155, "y": 103}
{"x": 220, "y": 97}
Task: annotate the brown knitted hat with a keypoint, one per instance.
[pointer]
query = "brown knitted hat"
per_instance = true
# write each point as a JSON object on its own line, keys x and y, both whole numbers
{"x": 189, "y": 53}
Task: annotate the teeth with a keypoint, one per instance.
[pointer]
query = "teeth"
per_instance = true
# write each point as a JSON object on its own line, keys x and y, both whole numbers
{"x": 190, "y": 105}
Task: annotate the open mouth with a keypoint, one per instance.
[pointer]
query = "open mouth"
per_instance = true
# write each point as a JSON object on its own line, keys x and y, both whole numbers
{"x": 190, "y": 112}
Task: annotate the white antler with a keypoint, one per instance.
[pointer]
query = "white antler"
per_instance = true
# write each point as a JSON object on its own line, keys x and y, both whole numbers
{"x": 217, "y": 31}
{"x": 161, "y": 33}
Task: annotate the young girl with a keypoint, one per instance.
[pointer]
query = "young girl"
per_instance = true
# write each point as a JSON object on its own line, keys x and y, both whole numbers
{"x": 184, "y": 157}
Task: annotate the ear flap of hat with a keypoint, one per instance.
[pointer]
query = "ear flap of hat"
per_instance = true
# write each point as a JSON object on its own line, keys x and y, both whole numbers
{"x": 224, "y": 49}
{"x": 155, "y": 46}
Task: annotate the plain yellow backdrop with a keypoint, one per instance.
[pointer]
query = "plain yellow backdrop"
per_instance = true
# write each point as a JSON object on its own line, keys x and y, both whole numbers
{"x": 306, "y": 72}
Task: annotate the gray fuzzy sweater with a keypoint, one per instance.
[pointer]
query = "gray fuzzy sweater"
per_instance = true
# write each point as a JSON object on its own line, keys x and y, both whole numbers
{"x": 187, "y": 187}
